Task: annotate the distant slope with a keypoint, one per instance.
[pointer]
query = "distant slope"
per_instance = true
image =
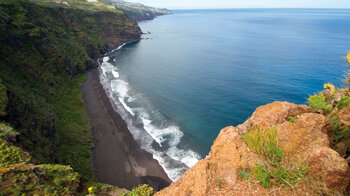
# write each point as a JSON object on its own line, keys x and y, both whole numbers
{"x": 138, "y": 11}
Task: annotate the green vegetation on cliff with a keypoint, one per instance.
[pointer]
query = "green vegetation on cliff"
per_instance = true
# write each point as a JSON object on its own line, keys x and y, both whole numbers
{"x": 275, "y": 169}
{"x": 19, "y": 176}
{"x": 45, "y": 51}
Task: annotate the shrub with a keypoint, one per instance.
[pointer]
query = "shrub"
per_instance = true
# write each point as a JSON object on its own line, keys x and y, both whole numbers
{"x": 142, "y": 190}
{"x": 340, "y": 130}
{"x": 319, "y": 102}
{"x": 262, "y": 174}
{"x": 264, "y": 142}
{"x": 344, "y": 102}
{"x": 10, "y": 155}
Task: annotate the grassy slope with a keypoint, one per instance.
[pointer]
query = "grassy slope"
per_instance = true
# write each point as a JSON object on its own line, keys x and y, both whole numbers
{"x": 45, "y": 51}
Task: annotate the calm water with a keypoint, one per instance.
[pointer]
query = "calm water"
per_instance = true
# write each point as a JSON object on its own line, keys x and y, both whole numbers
{"x": 202, "y": 70}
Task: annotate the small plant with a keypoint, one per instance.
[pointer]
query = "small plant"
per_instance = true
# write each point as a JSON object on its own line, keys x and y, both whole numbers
{"x": 244, "y": 174}
{"x": 292, "y": 119}
{"x": 262, "y": 174}
{"x": 218, "y": 181}
{"x": 264, "y": 142}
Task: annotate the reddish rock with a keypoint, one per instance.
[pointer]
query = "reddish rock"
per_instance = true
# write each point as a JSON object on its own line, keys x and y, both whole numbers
{"x": 344, "y": 116}
{"x": 304, "y": 141}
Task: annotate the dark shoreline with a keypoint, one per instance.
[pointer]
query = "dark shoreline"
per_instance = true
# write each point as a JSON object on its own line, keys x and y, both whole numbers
{"x": 117, "y": 158}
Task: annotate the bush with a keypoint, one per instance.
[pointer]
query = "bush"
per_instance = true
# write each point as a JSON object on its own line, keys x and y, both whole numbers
{"x": 319, "y": 102}
{"x": 344, "y": 102}
{"x": 142, "y": 190}
{"x": 264, "y": 142}
{"x": 340, "y": 130}
{"x": 10, "y": 155}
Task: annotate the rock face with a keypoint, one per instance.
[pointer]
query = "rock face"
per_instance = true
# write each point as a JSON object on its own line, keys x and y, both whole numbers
{"x": 305, "y": 141}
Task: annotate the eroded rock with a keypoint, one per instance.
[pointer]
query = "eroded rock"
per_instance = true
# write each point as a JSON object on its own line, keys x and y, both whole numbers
{"x": 304, "y": 141}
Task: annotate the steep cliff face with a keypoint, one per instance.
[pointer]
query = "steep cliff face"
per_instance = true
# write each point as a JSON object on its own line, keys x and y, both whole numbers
{"x": 295, "y": 159}
{"x": 45, "y": 51}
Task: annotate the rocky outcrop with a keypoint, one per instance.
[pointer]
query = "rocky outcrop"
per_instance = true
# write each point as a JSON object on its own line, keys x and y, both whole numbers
{"x": 304, "y": 141}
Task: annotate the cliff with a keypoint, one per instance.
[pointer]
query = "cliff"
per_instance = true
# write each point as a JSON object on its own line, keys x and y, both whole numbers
{"x": 45, "y": 52}
{"x": 282, "y": 149}
{"x": 138, "y": 11}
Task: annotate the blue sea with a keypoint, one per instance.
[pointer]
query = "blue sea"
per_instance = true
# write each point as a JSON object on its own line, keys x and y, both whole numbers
{"x": 198, "y": 71}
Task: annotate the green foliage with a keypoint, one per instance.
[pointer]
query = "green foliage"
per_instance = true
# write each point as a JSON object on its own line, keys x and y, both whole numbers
{"x": 292, "y": 119}
{"x": 264, "y": 142}
{"x": 262, "y": 174}
{"x": 340, "y": 130}
{"x": 6, "y": 131}
{"x": 142, "y": 190}
{"x": 244, "y": 174}
{"x": 328, "y": 108}
{"x": 75, "y": 145}
{"x": 290, "y": 176}
{"x": 272, "y": 170}
{"x": 42, "y": 180}
{"x": 10, "y": 155}
{"x": 218, "y": 181}
{"x": 344, "y": 102}
{"x": 319, "y": 102}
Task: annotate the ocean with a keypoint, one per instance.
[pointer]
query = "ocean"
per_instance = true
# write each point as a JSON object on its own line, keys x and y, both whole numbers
{"x": 198, "y": 71}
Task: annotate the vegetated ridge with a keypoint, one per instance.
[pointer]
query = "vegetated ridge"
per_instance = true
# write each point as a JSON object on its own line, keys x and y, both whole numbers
{"x": 46, "y": 49}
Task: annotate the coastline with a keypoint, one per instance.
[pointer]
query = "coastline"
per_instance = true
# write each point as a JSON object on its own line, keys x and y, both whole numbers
{"x": 117, "y": 158}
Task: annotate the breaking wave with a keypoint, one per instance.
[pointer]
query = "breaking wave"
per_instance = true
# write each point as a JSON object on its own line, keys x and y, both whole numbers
{"x": 152, "y": 130}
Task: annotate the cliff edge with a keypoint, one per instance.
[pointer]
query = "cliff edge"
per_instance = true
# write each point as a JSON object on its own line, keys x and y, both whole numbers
{"x": 282, "y": 149}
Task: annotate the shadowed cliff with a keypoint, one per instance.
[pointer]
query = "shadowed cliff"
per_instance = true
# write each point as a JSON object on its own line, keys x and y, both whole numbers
{"x": 45, "y": 52}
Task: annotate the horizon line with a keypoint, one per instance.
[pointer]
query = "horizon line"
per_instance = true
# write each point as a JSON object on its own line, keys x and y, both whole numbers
{"x": 254, "y": 8}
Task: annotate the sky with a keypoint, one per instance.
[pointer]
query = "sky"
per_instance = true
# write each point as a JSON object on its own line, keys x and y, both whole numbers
{"x": 193, "y": 4}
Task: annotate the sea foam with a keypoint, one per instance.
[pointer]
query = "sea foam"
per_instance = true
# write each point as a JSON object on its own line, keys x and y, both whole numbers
{"x": 154, "y": 132}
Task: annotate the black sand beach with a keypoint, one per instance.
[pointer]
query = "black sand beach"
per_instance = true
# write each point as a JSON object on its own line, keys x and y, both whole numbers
{"x": 117, "y": 158}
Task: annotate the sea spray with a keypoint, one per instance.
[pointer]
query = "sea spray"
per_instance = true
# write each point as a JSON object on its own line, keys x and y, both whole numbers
{"x": 153, "y": 131}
